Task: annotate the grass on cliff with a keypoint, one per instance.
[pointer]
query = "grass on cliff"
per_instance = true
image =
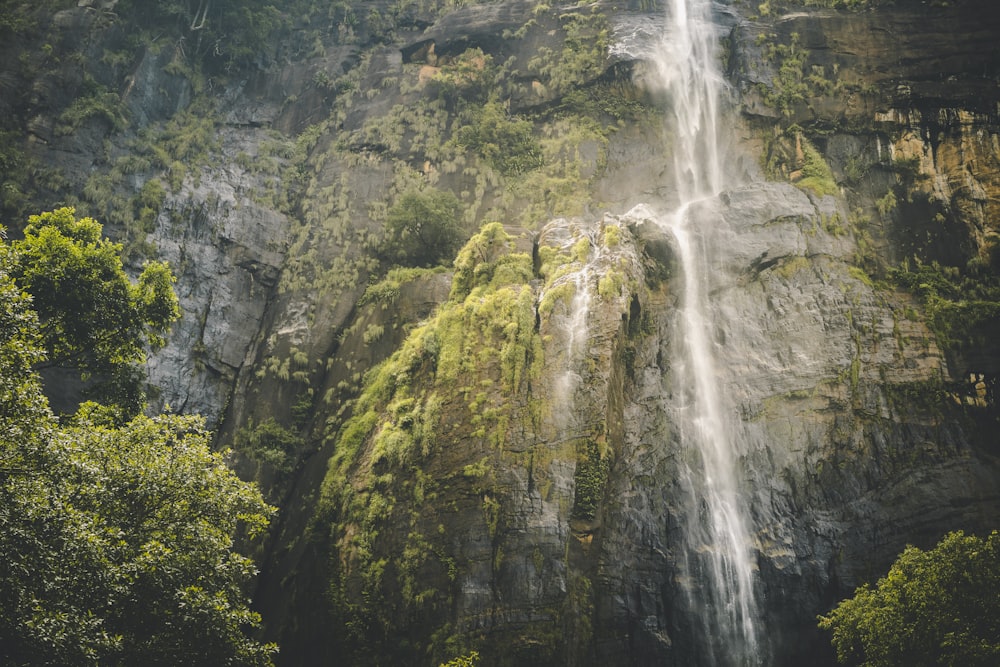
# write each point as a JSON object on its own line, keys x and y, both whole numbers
{"x": 459, "y": 381}
{"x": 962, "y": 305}
{"x": 439, "y": 379}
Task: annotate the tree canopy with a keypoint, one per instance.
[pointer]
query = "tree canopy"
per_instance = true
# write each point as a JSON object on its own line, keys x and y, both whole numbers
{"x": 92, "y": 317}
{"x": 423, "y": 228}
{"x": 116, "y": 542}
{"x": 936, "y": 607}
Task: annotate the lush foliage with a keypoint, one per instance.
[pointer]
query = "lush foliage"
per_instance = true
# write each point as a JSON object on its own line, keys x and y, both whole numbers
{"x": 816, "y": 174}
{"x": 93, "y": 318}
{"x": 117, "y": 546}
{"x": 468, "y": 79}
{"x": 423, "y": 227}
{"x": 117, "y": 542}
{"x": 507, "y": 144}
{"x": 22, "y": 406}
{"x": 936, "y": 607}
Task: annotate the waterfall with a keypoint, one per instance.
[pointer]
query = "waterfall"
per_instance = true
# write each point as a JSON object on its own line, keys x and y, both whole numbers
{"x": 575, "y": 327}
{"x": 716, "y": 569}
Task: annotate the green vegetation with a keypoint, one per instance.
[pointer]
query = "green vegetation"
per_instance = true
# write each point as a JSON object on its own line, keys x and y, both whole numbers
{"x": 228, "y": 32}
{"x": 591, "y": 477}
{"x": 422, "y": 227}
{"x": 816, "y": 174}
{"x": 583, "y": 55}
{"x": 468, "y": 660}
{"x": 386, "y": 291}
{"x": 833, "y": 4}
{"x": 506, "y": 144}
{"x": 790, "y": 86}
{"x": 469, "y": 79}
{"x": 269, "y": 443}
{"x": 148, "y": 204}
{"x": 962, "y": 306}
{"x": 936, "y": 607}
{"x": 93, "y": 318}
{"x": 573, "y": 151}
{"x": 117, "y": 540}
{"x": 117, "y": 545}
{"x": 456, "y": 371}
{"x": 95, "y": 101}
{"x": 791, "y": 155}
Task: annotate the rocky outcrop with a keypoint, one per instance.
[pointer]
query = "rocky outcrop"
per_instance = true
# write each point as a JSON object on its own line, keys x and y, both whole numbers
{"x": 484, "y": 457}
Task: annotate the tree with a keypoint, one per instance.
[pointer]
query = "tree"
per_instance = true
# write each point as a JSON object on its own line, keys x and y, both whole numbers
{"x": 936, "y": 607}
{"x": 93, "y": 318}
{"x": 423, "y": 228}
{"x": 22, "y": 405}
{"x": 117, "y": 549}
{"x": 116, "y": 542}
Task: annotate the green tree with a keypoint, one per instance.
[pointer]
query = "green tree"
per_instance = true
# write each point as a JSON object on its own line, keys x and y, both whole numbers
{"x": 116, "y": 543}
{"x": 422, "y": 228}
{"x": 22, "y": 406}
{"x": 117, "y": 546}
{"x": 936, "y": 607}
{"x": 93, "y": 318}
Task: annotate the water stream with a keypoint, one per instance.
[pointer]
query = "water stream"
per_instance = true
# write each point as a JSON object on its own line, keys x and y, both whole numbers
{"x": 717, "y": 563}
{"x": 575, "y": 327}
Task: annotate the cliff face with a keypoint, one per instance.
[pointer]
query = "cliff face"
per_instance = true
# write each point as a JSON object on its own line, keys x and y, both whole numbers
{"x": 489, "y": 457}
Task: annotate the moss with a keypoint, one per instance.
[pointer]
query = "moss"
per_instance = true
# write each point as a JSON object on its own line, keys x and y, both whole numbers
{"x": 791, "y": 265}
{"x": 590, "y": 478}
{"x": 562, "y": 292}
{"x": 816, "y": 173}
{"x": 491, "y": 514}
{"x": 394, "y": 428}
{"x": 478, "y": 262}
{"x": 552, "y": 263}
{"x": 612, "y": 236}
{"x": 386, "y": 291}
{"x": 859, "y": 274}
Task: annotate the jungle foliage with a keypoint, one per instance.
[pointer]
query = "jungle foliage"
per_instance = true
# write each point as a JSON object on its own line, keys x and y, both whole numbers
{"x": 117, "y": 539}
{"x": 934, "y": 607}
{"x": 92, "y": 317}
{"x": 423, "y": 227}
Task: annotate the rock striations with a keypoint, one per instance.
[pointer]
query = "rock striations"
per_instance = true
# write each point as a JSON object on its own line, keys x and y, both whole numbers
{"x": 485, "y": 456}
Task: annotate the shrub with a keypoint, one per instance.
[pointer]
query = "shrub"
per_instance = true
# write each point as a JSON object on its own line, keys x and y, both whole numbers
{"x": 422, "y": 228}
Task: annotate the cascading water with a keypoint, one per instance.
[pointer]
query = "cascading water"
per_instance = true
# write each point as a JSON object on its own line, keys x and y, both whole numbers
{"x": 575, "y": 327}
{"x": 717, "y": 565}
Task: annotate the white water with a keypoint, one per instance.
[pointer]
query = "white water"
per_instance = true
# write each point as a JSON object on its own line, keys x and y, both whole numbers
{"x": 576, "y": 331}
{"x": 717, "y": 566}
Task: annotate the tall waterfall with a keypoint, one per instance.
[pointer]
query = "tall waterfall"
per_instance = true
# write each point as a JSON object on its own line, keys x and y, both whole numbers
{"x": 717, "y": 565}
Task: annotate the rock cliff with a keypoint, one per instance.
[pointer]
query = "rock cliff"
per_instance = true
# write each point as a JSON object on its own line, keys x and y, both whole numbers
{"x": 484, "y": 457}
